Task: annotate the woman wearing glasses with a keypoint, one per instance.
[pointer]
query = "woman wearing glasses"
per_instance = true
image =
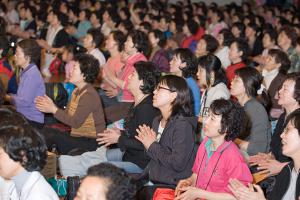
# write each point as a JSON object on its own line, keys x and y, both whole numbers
{"x": 170, "y": 141}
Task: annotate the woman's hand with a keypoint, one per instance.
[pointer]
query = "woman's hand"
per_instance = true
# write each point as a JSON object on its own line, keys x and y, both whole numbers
{"x": 189, "y": 193}
{"x": 241, "y": 192}
{"x": 270, "y": 167}
{"x": 258, "y": 158}
{"x": 182, "y": 184}
{"x": 45, "y": 104}
{"x": 108, "y": 137}
{"x": 111, "y": 92}
{"x": 146, "y": 135}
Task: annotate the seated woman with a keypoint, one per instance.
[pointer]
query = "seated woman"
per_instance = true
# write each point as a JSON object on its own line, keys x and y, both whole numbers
{"x": 184, "y": 64}
{"x": 130, "y": 154}
{"x": 212, "y": 78}
{"x": 170, "y": 142}
{"x": 288, "y": 180}
{"x": 31, "y": 83}
{"x": 218, "y": 158}
{"x": 84, "y": 113}
{"x": 244, "y": 87}
{"x": 272, "y": 163}
{"x": 207, "y": 44}
{"x": 23, "y": 154}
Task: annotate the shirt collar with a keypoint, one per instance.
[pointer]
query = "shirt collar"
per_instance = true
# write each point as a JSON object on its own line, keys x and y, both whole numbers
{"x": 27, "y": 68}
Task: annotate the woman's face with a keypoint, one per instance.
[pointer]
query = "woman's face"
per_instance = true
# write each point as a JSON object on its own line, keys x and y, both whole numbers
{"x": 172, "y": 27}
{"x": 88, "y": 42}
{"x": 134, "y": 82}
{"x": 176, "y": 64}
{"x": 129, "y": 46}
{"x": 94, "y": 19}
{"x": 237, "y": 87}
{"x": 201, "y": 48}
{"x": 236, "y": 32}
{"x": 212, "y": 125}
{"x": 286, "y": 94}
{"x": 20, "y": 58}
{"x": 110, "y": 42}
{"x": 153, "y": 40}
{"x": 82, "y": 15}
{"x": 249, "y": 32}
{"x": 220, "y": 39}
{"x": 282, "y": 39}
{"x": 234, "y": 53}
{"x": 163, "y": 97}
{"x": 8, "y": 167}
{"x": 290, "y": 140}
{"x": 201, "y": 76}
{"x": 267, "y": 42}
{"x": 76, "y": 75}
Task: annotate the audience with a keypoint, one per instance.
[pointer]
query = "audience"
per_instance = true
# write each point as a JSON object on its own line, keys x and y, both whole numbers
{"x": 172, "y": 35}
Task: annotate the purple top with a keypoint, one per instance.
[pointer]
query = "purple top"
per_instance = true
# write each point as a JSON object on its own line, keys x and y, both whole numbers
{"x": 160, "y": 58}
{"x": 31, "y": 85}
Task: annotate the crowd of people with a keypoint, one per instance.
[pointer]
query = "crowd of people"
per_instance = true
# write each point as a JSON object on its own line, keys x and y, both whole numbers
{"x": 165, "y": 100}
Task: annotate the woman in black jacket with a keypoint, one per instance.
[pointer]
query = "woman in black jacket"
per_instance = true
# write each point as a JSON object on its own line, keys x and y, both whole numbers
{"x": 170, "y": 143}
{"x": 130, "y": 154}
{"x": 287, "y": 185}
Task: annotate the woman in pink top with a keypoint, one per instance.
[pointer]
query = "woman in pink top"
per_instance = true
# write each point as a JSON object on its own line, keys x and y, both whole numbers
{"x": 136, "y": 47}
{"x": 218, "y": 159}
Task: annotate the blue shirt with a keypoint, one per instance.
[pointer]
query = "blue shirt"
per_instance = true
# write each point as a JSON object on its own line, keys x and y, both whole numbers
{"x": 82, "y": 29}
{"x": 31, "y": 85}
{"x": 195, "y": 94}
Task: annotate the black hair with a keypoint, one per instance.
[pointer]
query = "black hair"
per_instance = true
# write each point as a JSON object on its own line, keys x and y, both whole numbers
{"x": 87, "y": 13}
{"x": 126, "y": 12}
{"x": 140, "y": 41}
{"x": 294, "y": 118}
{"x": 187, "y": 56}
{"x": 120, "y": 38}
{"x": 272, "y": 34}
{"x": 193, "y": 26}
{"x": 21, "y": 141}
{"x": 181, "y": 106}
{"x": 98, "y": 15}
{"x": 128, "y": 25}
{"x": 63, "y": 18}
{"x": 290, "y": 33}
{"x": 162, "y": 40}
{"x": 212, "y": 43}
{"x": 241, "y": 27}
{"x": 32, "y": 10}
{"x": 282, "y": 58}
{"x": 89, "y": 67}
{"x": 242, "y": 46}
{"x": 146, "y": 25}
{"x": 254, "y": 27}
{"x": 97, "y": 36}
{"x": 296, "y": 78}
{"x": 228, "y": 37}
{"x": 3, "y": 25}
{"x": 120, "y": 185}
{"x": 219, "y": 13}
{"x": 212, "y": 63}
{"x": 251, "y": 78}
{"x": 148, "y": 72}
{"x": 179, "y": 23}
{"x": 4, "y": 45}
{"x": 31, "y": 50}
{"x": 233, "y": 117}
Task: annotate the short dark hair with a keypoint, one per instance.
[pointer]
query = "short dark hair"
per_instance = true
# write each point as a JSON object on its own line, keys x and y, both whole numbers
{"x": 219, "y": 13}
{"x": 97, "y": 36}
{"x": 140, "y": 41}
{"x": 282, "y": 58}
{"x": 228, "y": 37}
{"x": 272, "y": 34}
{"x": 120, "y": 187}
{"x": 294, "y": 118}
{"x": 63, "y": 18}
{"x": 212, "y": 43}
{"x": 120, "y": 38}
{"x": 31, "y": 50}
{"x": 4, "y": 45}
{"x": 212, "y": 63}
{"x": 89, "y": 67}
{"x": 187, "y": 56}
{"x": 162, "y": 40}
{"x": 182, "y": 105}
{"x": 290, "y": 33}
{"x": 233, "y": 117}
{"x": 242, "y": 46}
{"x": 126, "y": 12}
{"x": 241, "y": 27}
{"x": 21, "y": 141}
{"x": 251, "y": 78}
{"x": 146, "y": 25}
{"x": 296, "y": 78}
{"x": 148, "y": 72}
